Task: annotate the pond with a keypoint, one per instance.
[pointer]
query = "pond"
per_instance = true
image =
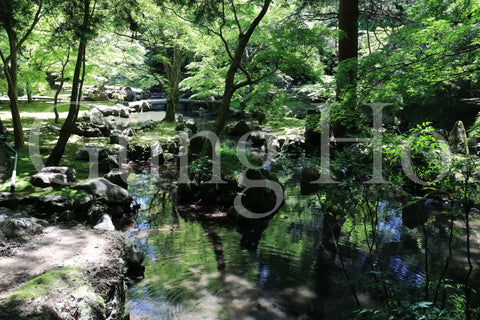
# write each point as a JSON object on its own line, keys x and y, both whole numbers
{"x": 306, "y": 261}
{"x": 279, "y": 268}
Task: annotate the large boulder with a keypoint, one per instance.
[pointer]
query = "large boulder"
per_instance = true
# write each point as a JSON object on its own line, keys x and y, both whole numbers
{"x": 53, "y": 177}
{"x": 118, "y": 177}
{"x": 147, "y": 125}
{"x": 117, "y": 137}
{"x": 129, "y": 94}
{"x": 102, "y": 188}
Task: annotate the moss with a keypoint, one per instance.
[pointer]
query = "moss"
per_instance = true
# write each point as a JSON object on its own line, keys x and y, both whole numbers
{"x": 55, "y": 295}
{"x": 44, "y": 284}
{"x": 163, "y": 132}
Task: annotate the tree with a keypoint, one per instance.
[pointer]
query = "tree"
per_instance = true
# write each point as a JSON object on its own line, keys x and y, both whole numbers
{"x": 18, "y": 19}
{"x": 346, "y": 77}
{"x": 166, "y": 38}
{"x": 83, "y": 18}
{"x": 83, "y": 33}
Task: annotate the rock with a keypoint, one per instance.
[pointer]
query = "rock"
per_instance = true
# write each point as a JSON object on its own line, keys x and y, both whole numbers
{"x": 237, "y": 129}
{"x": 84, "y": 153}
{"x": 147, "y": 125}
{"x": 55, "y": 203}
{"x": 190, "y": 124}
{"x": 118, "y": 110}
{"x": 8, "y": 200}
{"x": 133, "y": 257}
{"x": 139, "y": 106}
{"x": 157, "y": 157}
{"x": 95, "y": 94}
{"x": 118, "y": 177}
{"x": 117, "y": 137}
{"x": 48, "y": 179}
{"x": 105, "y": 223}
{"x": 258, "y": 139}
{"x": 129, "y": 94}
{"x": 128, "y": 132}
{"x": 69, "y": 172}
{"x": 82, "y": 207}
{"x": 86, "y": 130}
{"x": 13, "y": 226}
{"x": 138, "y": 153}
{"x": 97, "y": 118}
{"x": 102, "y": 188}
{"x": 108, "y": 164}
{"x": 458, "y": 138}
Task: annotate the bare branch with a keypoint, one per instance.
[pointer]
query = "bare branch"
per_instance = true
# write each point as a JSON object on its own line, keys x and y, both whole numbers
{"x": 236, "y": 17}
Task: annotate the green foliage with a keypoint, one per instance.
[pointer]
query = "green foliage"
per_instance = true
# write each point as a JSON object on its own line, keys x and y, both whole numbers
{"x": 428, "y": 57}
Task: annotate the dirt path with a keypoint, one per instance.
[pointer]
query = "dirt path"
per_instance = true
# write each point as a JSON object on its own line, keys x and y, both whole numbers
{"x": 56, "y": 247}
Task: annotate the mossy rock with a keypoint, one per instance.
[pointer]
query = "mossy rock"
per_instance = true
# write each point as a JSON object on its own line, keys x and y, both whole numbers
{"x": 63, "y": 293}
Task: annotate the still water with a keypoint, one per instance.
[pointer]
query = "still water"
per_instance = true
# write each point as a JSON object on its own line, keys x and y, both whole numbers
{"x": 280, "y": 269}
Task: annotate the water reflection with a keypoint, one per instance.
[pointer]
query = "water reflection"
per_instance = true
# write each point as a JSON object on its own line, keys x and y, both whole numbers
{"x": 281, "y": 268}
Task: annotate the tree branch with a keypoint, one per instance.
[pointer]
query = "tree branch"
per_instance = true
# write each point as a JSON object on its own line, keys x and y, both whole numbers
{"x": 236, "y": 17}
{"x": 37, "y": 17}
{"x": 252, "y": 82}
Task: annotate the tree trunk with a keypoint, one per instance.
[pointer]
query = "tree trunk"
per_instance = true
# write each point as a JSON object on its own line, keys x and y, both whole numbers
{"x": 12, "y": 80}
{"x": 347, "y": 59}
{"x": 68, "y": 125}
{"x": 60, "y": 87}
{"x": 29, "y": 94}
{"x": 230, "y": 88}
{"x": 173, "y": 72}
{"x": 235, "y": 61}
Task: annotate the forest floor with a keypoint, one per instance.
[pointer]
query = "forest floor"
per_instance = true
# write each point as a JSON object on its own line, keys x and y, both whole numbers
{"x": 58, "y": 246}
{"x": 95, "y": 255}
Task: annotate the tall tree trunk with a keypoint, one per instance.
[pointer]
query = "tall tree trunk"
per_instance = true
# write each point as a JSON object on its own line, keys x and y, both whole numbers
{"x": 67, "y": 128}
{"x": 235, "y": 61}
{"x": 60, "y": 87}
{"x": 346, "y": 77}
{"x": 68, "y": 125}
{"x": 11, "y": 69}
{"x": 230, "y": 88}
{"x": 173, "y": 72}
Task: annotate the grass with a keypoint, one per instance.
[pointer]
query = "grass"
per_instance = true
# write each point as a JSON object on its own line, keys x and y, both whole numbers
{"x": 37, "y": 106}
{"x": 47, "y": 140}
{"x": 287, "y": 127}
{"x": 163, "y": 132}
